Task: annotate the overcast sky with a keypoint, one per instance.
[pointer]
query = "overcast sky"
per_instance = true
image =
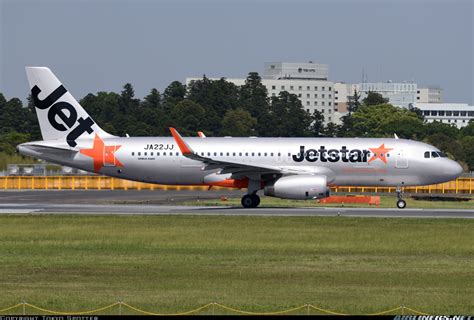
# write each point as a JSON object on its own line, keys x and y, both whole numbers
{"x": 100, "y": 45}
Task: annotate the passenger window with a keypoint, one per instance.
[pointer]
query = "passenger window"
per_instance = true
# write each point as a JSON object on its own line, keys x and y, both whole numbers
{"x": 427, "y": 154}
{"x": 158, "y": 154}
{"x": 139, "y": 154}
{"x": 164, "y": 153}
{"x": 133, "y": 153}
{"x": 434, "y": 154}
{"x": 151, "y": 153}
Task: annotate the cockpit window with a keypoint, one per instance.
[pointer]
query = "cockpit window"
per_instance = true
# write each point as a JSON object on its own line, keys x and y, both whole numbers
{"x": 434, "y": 154}
{"x": 427, "y": 154}
{"x": 442, "y": 155}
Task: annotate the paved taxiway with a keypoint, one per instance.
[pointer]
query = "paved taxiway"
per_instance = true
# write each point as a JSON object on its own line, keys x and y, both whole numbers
{"x": 158, "y": 203}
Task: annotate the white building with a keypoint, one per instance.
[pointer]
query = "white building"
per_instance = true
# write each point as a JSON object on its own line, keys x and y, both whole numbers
{"x": 430, "y": 94}
{"x": 343, "y": 92}
{"x": 398, "y": 94}
{"x": 306, "y": 80}
{"x": 451, "y": 113}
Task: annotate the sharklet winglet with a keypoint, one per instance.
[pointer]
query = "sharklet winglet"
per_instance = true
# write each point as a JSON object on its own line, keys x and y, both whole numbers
{"x": 183, "y": 146}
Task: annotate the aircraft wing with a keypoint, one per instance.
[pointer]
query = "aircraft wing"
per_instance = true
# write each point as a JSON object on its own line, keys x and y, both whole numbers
{"x": 232, "y": 167}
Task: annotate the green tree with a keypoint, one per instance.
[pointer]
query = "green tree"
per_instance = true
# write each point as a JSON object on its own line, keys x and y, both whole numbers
{"x": 32, "y": 120}
{"x": 152, "y": 114}
{"x": 187, "y": 117}
{"x": 238, "y": 123}
{"x": 353, "y": 102}
{"x": 385, "y": 120}
{"x": 174, "y": 93}
{"x": 217, "y": 97}
{"x": 445, "y": 143}
{"x": 374, "y": 98}
{"x": 9, "y": 141}
{"x": 467, "y": 144}
{"x": 317, "y": 125}
{"x": 434, "y": 127}
{"x": 468, "y": 130}
{"x": 288, "y": 118}
{"x": 331, "y": 130}
{"x": 253, "y": 97}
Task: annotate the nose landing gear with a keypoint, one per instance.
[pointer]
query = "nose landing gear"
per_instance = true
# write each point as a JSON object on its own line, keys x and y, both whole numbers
{"x": 401, "y": 204}
{"x": 250, "y": 200}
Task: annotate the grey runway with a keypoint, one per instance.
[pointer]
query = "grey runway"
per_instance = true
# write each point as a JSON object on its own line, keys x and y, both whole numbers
{"x": 158, "y": 203}
{"x": 85, "y": 209}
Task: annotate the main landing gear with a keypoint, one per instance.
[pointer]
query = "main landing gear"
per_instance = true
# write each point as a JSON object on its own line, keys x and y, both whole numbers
{"x": 250, "y": 200}
{"x": 401, "y": 204}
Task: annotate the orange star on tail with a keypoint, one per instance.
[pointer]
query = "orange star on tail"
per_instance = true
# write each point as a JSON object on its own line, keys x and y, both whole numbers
{"x": 379, "y": 153}
{"x": 102, "y": 154}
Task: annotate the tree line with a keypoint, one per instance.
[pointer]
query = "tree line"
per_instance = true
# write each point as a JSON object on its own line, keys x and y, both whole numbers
{"x": 221, "y": 108}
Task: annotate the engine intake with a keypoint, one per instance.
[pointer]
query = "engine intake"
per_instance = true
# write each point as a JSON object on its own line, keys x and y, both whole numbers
{"x": 298, "y": 187}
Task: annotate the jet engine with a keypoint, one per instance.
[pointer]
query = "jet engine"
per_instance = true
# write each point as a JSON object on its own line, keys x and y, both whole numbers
{"x": 298, "y": 187}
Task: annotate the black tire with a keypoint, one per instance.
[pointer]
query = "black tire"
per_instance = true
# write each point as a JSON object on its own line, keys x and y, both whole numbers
{"x": 248, "y": 201}
{"x": 401, "y": 204}
{"x": 256, "y": 199}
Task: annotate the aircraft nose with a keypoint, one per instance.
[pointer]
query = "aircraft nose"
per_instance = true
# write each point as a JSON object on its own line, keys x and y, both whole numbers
{"x": 453, "y": 169}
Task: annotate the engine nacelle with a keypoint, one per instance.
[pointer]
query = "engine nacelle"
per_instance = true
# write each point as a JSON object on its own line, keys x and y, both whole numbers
{"x": 298, "y": 187}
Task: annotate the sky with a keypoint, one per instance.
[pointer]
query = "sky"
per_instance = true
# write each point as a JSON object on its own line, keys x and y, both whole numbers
{"x": 101, "y": 45}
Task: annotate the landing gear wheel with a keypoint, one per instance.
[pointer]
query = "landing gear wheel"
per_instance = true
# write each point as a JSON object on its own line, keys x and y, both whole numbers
{"x": 401, "y": 204}
{"x": 250, "y": 201}
{"x": 257, "y": 200}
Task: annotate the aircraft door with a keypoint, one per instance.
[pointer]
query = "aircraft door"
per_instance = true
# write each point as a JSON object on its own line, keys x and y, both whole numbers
{"x": 109, "y": 156}
{"x": 402, "y": 160}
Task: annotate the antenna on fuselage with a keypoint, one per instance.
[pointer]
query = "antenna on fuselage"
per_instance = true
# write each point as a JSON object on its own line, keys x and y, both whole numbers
{"x": 395, "y": 135}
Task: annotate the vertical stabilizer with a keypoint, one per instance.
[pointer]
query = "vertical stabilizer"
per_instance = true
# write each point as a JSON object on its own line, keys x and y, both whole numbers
{"x": 60, "y": 116}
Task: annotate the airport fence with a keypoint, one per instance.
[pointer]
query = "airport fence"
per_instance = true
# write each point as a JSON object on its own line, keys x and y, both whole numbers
{"x": 462, "y": 185}
{"x": 214, "y": 308}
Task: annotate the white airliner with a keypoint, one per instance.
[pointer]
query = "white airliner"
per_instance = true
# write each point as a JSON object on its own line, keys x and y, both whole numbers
{"x": 289, "y": 168}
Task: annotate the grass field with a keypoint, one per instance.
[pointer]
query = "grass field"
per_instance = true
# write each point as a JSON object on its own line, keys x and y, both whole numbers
{"x": 385, "y": 202}
{"x": 176, "y": 263}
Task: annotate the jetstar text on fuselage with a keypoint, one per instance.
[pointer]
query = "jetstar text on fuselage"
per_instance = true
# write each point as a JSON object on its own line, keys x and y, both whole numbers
{"x": 331, "y": 155}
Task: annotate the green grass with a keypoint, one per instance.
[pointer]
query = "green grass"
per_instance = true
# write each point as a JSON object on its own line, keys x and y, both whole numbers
{"x": 385, "y": 202}
{"x": 176, "y": 263}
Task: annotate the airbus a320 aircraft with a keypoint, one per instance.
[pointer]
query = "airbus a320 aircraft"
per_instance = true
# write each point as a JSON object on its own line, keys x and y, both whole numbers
{"x": 289, "y": 168}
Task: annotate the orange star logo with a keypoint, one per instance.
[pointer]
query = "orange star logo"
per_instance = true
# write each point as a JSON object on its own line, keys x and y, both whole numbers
{"x": 102, "y": 154}
{"x": 379, "y": 153}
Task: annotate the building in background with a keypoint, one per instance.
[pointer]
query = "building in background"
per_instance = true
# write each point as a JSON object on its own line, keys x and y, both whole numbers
{"x": 309, "y": 81}
{"x": 398, "y": 94}
{"x": 458, "y": 114}
{"x": 429, "y": 94}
